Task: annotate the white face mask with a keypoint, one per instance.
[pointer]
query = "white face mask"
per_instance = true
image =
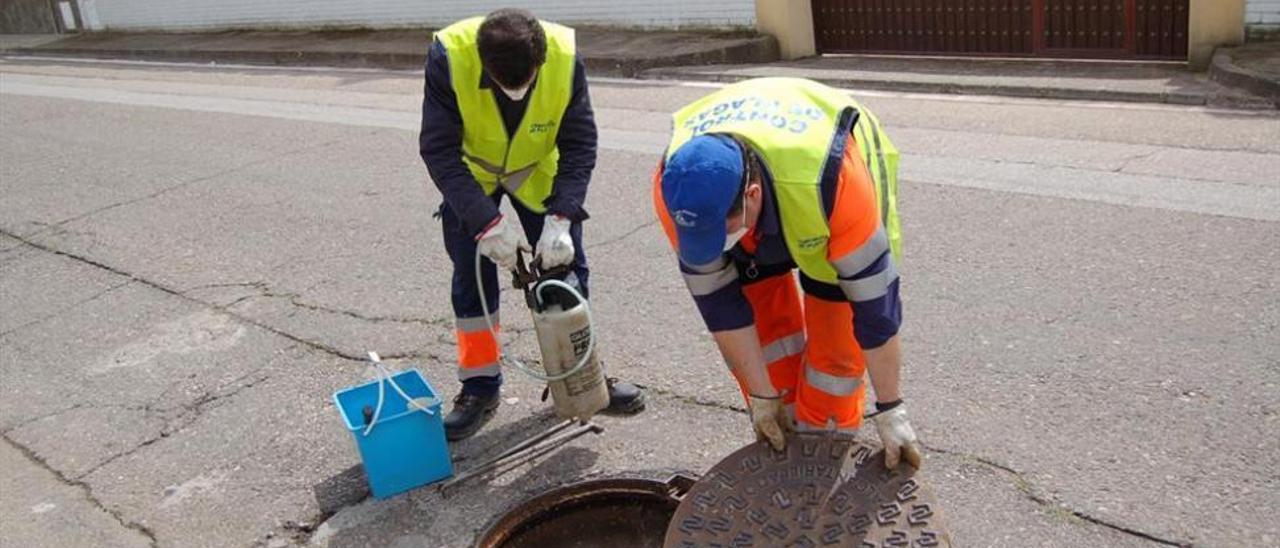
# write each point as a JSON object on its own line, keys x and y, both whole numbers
{"x": 516, "y": 94}
{"x": 734, "y": 237}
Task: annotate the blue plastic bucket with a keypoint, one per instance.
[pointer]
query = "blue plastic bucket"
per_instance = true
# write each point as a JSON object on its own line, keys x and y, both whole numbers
{"x": 406, "y": 448}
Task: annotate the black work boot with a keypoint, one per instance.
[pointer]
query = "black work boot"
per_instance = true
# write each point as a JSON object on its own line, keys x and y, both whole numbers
{"x": 470, "y": 412}
{"x": 624, "y": 398}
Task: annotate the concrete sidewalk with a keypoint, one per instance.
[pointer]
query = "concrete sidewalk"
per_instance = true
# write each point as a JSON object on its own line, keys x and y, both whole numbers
{"x": 1253, "y": 67}
{"x": 1047, "y": 79}
{"x": 609, "y": 52}
{"x": 717, "y": 57}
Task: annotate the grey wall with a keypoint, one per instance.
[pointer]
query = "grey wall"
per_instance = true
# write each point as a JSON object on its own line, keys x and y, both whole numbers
{"x": 214, "y": 14}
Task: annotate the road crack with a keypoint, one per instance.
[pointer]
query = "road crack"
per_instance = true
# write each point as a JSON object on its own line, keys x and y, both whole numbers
{"x": 692, "y": 400}
{"x": 1124, "y": 165}
{"x": 1024, "y": 485}
{"x": 264, "y": 291}
{"x": 224, "y": 309}
{"x": 184, "y": 184}
{"x": 296, "y": 301}
{"x": 88, "y": 491}
{"x": 1029, "y": 490}
{"x": 67, "y": 308}
{"x": 625, "y": 235}
{"x": 187, "y": 415}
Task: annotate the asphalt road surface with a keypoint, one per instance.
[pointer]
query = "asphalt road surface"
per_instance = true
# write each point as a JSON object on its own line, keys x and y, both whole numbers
{"x": 193, "y": 258}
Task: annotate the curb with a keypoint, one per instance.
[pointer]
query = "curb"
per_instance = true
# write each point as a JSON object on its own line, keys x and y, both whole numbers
{"x": 760, "y": 49}
{"x": 1224, "y": 71}
{"x": 948, "y": 88}
{"x": 283, "y": 58}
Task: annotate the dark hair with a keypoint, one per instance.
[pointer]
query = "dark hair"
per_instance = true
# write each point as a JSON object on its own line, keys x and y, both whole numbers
{"x": 512, "y": 44}
{"x": 750, "y": 166}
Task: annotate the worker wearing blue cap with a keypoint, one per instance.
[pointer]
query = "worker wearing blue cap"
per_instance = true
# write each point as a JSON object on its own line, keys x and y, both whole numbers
{"x": 767, "y": 176}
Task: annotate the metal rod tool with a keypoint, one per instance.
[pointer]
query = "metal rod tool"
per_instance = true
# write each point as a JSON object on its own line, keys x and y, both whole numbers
{"x": 527, "y": 450}
{"x": 534, "y": 440}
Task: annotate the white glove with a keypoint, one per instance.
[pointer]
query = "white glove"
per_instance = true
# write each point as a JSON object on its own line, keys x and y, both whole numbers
{"x": 500, "y": 243}
{"x": 770, "y": 420}
{"x": 555, "y": 245}
{"x": 897, "y": 436}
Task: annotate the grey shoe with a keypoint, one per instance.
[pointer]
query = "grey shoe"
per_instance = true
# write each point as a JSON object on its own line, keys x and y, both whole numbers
{"x": 624, "y": 398}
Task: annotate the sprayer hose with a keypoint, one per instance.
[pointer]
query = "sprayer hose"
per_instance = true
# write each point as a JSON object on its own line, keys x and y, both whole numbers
{"x": 517, "y": 364}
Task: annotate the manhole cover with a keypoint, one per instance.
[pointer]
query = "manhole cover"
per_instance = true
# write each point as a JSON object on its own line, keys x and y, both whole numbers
{"x": 760, "y": 497}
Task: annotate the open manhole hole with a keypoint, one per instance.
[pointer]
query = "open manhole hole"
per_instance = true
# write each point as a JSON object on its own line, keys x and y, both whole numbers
{"x": 822, "y": 491}
{"x": 606, "y": 513}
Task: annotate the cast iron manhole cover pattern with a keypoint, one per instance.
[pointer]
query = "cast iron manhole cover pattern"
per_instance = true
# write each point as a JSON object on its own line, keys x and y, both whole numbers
{"x": 801, "y": 497}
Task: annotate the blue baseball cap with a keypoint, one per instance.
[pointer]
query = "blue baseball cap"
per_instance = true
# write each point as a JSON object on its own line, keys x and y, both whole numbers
{"x": 699, "y": 184}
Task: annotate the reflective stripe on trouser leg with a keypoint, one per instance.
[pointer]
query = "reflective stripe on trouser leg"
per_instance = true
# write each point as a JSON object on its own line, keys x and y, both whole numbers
{"x": 831, "y": 389}
{"x": 477, "y": 349}
{"x": 775, "y": 302}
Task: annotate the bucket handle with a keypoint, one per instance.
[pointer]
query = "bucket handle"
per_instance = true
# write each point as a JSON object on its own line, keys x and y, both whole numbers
{"x": 384, "y": 378}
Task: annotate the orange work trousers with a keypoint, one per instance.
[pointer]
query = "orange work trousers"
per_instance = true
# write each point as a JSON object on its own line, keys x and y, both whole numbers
{"x": 811, "y": 353}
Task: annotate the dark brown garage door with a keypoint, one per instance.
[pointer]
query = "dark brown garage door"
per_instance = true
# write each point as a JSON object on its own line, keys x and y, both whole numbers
{"x": 1053, "y": 28}
{"x": 27, "y": 17}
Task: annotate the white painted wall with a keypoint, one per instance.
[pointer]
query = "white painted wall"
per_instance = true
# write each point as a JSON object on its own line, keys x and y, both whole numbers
{"x": 214, "y": 14}
{"x": 1264, "y": 12}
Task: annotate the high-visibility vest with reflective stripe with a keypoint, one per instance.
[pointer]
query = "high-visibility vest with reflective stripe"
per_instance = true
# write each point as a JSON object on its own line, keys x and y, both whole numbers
{"x": 793, "y": 124}
{"x": 525, "y": 164}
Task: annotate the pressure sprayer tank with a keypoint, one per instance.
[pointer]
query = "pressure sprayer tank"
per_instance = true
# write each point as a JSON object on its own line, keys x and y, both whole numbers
{"x": 563, "y": 325}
